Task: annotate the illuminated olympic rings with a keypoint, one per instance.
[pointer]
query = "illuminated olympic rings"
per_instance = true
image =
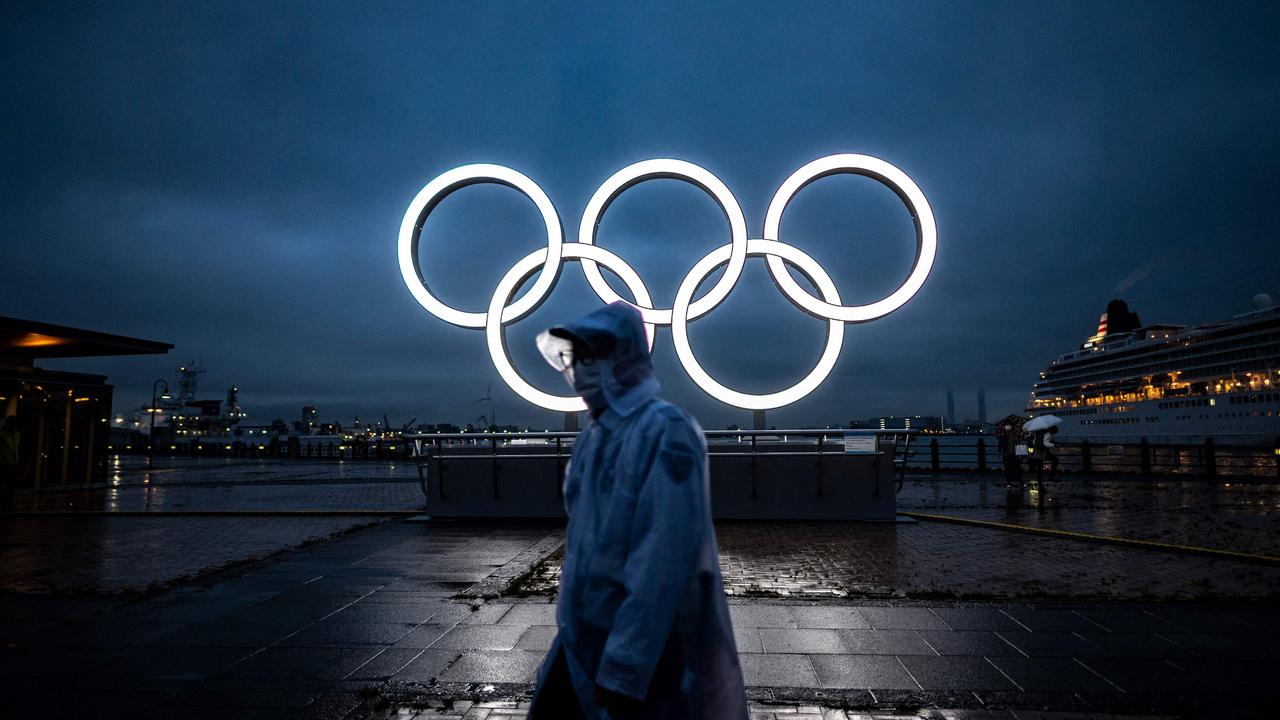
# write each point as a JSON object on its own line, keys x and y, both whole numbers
{"x": 546, "y": 263}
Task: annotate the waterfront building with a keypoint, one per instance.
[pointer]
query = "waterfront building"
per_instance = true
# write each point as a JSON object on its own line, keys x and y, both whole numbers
{"x": 63, "y": 417}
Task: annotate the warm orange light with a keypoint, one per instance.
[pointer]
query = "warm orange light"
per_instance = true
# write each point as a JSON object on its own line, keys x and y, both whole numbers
{"x": 39, "y": 340}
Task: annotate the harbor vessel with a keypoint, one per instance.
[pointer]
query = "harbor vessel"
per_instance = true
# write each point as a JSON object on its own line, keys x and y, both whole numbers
{"x": 1169, "y": 384}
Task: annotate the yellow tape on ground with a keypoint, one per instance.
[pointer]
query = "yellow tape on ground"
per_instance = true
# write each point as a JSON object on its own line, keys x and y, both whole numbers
{"x": 1095, "y": 538}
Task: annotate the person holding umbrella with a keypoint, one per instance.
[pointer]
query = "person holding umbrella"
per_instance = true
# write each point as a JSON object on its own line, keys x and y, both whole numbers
{"x": 1008, "y": 439}
{"x": 1043, "y": 429}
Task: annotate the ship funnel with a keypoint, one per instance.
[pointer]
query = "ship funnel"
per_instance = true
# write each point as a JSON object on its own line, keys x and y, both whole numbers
{"x": 1120, "y": 318}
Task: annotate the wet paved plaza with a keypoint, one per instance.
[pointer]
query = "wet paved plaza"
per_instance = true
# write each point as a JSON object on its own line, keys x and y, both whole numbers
{"x": 424, "y": 618}
{"x": 1238, "y": 514}
{"x": 378, "y": 619}
{"x": 512, "y": 710}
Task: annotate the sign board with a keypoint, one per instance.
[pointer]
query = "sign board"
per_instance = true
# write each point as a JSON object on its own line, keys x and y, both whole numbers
{"x": 860, "y": 444}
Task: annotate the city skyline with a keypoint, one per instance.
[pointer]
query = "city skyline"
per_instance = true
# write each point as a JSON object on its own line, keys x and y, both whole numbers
{"x": 164, "y": 186}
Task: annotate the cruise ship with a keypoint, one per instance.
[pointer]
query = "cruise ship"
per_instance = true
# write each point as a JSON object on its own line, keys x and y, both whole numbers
{"x": 1170, "y": 384}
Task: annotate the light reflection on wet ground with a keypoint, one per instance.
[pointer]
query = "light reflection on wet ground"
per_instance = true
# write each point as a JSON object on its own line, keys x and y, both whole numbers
{"x": 1236, "y": 516}
{"x": 225, "y": 484}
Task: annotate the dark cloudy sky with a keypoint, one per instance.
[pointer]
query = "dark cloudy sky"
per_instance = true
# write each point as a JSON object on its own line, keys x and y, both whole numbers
{"x": 231, "y": 177}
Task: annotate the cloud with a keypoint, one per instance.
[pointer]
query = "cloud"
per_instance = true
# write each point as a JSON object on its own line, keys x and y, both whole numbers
{"x": 230, "y": 178}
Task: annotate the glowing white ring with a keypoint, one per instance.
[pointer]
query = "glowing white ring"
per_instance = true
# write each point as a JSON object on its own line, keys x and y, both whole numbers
{"x": 684, "y": 309}
{"x": 440, "y": 188}
{"x": 508, "y": 286}
{"x": 896, "y": 180}
{"x": 676, "y": 170}
{"x": 770, "y": 249}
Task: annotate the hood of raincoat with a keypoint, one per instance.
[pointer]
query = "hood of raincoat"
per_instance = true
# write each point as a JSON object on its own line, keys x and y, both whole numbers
{"x": 615, "y": 335}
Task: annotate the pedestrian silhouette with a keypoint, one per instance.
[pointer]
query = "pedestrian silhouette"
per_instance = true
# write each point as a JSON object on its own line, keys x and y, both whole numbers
{"x": 644, "y": 629}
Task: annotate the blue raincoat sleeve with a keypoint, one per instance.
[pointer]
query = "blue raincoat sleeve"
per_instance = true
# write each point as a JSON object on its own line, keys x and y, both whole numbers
{"x": 665, "y": 540}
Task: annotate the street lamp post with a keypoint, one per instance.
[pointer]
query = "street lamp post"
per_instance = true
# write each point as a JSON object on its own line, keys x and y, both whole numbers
{"x": 151, "y": 439}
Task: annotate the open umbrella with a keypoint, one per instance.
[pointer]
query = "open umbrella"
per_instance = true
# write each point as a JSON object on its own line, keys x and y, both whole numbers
{"x": 1044, "y": 422}
{"x": 1014, "y": 425}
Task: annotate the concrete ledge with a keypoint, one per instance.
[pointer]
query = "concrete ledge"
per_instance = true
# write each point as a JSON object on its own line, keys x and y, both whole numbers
{"x": 786, "y": 484}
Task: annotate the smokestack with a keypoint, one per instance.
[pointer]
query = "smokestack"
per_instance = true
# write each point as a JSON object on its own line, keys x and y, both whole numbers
{"x": 1120, "y": 319}
{"x": 982, "y": 406}
{"x": 951, "y": 409}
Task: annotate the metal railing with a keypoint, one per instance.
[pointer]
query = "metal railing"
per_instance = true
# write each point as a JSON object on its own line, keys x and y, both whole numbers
{"x": 979, "y": 453}
{"x": 927, "y": 454}
{"x": 433, "y": 450}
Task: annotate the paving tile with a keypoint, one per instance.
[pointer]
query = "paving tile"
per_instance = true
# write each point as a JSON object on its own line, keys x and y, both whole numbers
{"x": 1266, "y": 621}
{"x": 217, "y": 713}
{"x": 488, "y": 613}
{"x": 1137, "y": 645}
{"x": 530, "y": 614}
{"x": 216, "y": 634}
{"x": 508, "y": 666}
{"x": 1051, "y": 675}
{"x": 292, "y": 614}
{"x": 1147, "y": 678}
{"x": 813, "y": 616}
{"x": 1053, "y": 644}
{"x": 412, "y": 613}
{"x": 424, "y": 636}
{"x": 955, "y": 673}
{"x": 176, "y": 663}
{"x": 410, "y": 590}
{"x": 1223, "y": 647}
{"x": 42, "y": 662}
{"x": 1128, "y": 621}
{"x": 345, "y": 634}
{"x": 452, "y": 613}
{"x": 301, "y": 663}
{"x": 884, "y": 642}
{"x": 1197, "y": 620}
{"x": 481, "y": 637}
{"x": 537, "y": 637}
{"x": 902, "y": 618}
{"x": 244, "y": 693}
{"x": 761, "y": 616}
{"x": 968, "y": 642}
{"x": 972, "y": 618}
{"x": 329, "y": 706}
{"x": 1052, "y": 620}
{"x": 428, "y": 665}
{"x": 385, "y": 664}
{"x": 874, "y": 672}
{"x": 770, "y": 670}
{"x": 747, "y": 639}
{"x": 809, "y": 641}
{"x": 112, "y": 634}
{"x": 1236, "y": 678}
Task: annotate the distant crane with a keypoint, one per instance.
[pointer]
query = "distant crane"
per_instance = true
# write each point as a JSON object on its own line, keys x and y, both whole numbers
{"x": 405, "y": 428}
{"x": 491, "y": 421}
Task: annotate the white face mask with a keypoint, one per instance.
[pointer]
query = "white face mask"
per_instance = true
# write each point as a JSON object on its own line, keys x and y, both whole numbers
{"x": 587, "y": 380}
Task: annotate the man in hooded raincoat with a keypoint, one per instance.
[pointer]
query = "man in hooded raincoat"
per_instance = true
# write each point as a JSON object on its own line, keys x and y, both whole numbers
{"x": 644, "y": 630}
